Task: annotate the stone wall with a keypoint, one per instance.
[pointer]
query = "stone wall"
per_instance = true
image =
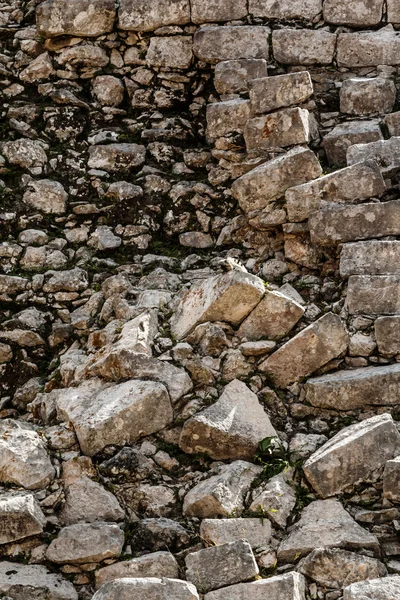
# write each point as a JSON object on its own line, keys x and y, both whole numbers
{"x": 199, "y": 299}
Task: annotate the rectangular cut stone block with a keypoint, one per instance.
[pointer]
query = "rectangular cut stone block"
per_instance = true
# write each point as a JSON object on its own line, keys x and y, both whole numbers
{"x": 348, "y": 186}
{"x": 222, "y": 531}
{"x": 290, "y": 586}
{"x": 334, "y": 224}
{"x": 268, "y": 182}
{"x": 391, "y": 480}
{"x": 141, "y": 15}
{"x": 372, "y": 589}
{"x": 373, "y": 294}
{"x": 232, "y": 76}
{"x": 393, "y": 11}
{"x": 280, "y": 129}
{"x": 213, "y": 44}
{"x": 88, "y": 18}
{"x": 370, "y": 258}
{"x": 270, "y": 93}
{"x": 226, "y": 117}
{"x": 358, "y": 13}
{"x": 369, "y": 49}
{"x": 367, "y": 97}
{"x": 352, "y": 455}
{"x": 174, "y": 52}
{"x": 392, "y": 122}
{"x": 228, "y": 298}
{"x": 358, "y": 388}
{"x": 309, "y": 350}
{"x": 337, "y": 141}
{"x": 386, "y": 153}
{"x": 286, "y": 9}
{"x": 387, "y": 334}
{"x": 212, "y": 11}
{"x": 303, "y": 47}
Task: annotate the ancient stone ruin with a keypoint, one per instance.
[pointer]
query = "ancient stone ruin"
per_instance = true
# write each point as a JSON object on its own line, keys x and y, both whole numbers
{"x": 200, "y": 299}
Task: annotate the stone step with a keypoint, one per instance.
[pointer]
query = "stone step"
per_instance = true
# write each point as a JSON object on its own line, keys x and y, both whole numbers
{"x": 370, "y": 258}
{"x": 358, "y": 388}
{"x": 373, "y": 294}
{"x": 334, "y": 224}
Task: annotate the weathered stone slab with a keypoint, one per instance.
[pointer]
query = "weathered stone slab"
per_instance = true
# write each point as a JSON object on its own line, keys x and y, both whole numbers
{"x": 367, "y": 97}
{"x": 325, "y": 524}
{"x": 384, "y": 588}
{"x": 118, "y": 414}
{"x": 33, "y": 581}
{"x": 264, "y": 184}
{"x": 222, "y": 494}
{"x": 233, "y": 76}
{"x": 222, "y": 531}
{"x": 349, "y": 186}
{"x": 337, "y": 568}
{"x": 335, "y": 224}
{"x": 309, "y": 350}
{"x": 284, "y": 128}
{"x": 393, "y": 11}
{"x": 392, "y": 122}
{"x": 20, "y": 517}
{"x": 275, "y": 498}
{"x": 387, "y": 334}
{"x": 231, "y": 428}
{"x": 212, "y": 11}
{"x": 86, "y": 18}
{"x": 350, "y": 457}
{"x": 337, "y": 141}
{"x": 226, "y": 117}
{"x": 272, "y": 318}
{"x": 270, "y": 93}
{"x": 12, "y": 285}
{"x": 357, "y": 388}
{"x": 150, "y": 588}
{"x": 116, "y": 157}
{"x": 354, "y": 14}
{"x": 368, "y": 49}
{"x": 386, "y": 153}
{"x": 86, "y": 543}
{"x": 303, "y": 47}
{"x": 174, "y": 52}
{"x": 213, "y": 44}
{"x": 286, "y": 9}
{"x": 156, "y": 564}
{"x": 391, "y": 480}
{"x": 138, "y": 15}
{"x": 220, "y": 566}
{"x": 229, "y": 297}
{"x": 373, "y": 294}
{"x": 370, "y": 258}
{"x": 290, "y": 586}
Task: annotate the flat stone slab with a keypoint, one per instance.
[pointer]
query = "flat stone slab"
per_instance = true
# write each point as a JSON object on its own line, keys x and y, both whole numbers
{"x": 34, "y": 581}
{"x": 373, "y": 294}
{"x": 287, "y": 127}
{"x": 156, "y": 564}
{"x": 368, "y": 49}
{"x": 309, "y": 350}
{"x": 334, "y": 224}
{"x": 356, "y": 388}
{"x": 303, "y": 46}
{"x": 210, "y": 11}
{"x": 270, "y": 93}
{"x": 220, "y": 566}
{"x": 229, "y": 297}
{"x": 86, "y": 18}
{"x": 325, "y": 524}
{"x": 351, "y": 456}
{"x": 20, "y": 517}
{"x": 341, "y": 12}
{"x": 233, "y": 76}
{"x": 391, "y": 480}
{"x": 286, "y": 9}
{"x": 231, "y": 428}
{"x": 387, "y": 334}
{"x": 149, "y": 588}
{"x": 222, "y": 531}
{"x": 290, "y": 586}
{"x": 116, "y": 157}
{"x": 213, "y": 44}
{"x": 227, "y": 117}
{"x": 385, "y": 588}
{"x": 370, "y": 258}
{"x": 86, "y": 543}
{"x": 348, "y": 186}
{"x": 386, "y": 153}
{"x": 344, "y": 135}
{"x": 367, "y": 97}
{"x": 268, "y": 182}
{"x": 138, "y": 15}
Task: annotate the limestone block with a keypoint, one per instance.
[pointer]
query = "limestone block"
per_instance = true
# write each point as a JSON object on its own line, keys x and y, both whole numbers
{"x": 392, "y": 122}
{"x": 373, "y": 294}
{"x": 85, "y": 18}
{"x": 290, "y": 586}
{"x": 139, "y": 15}
{"x": 234, "y": 76}
{"x": 367, "y": 97}
{"x": 303, "y": 47}
{"x": 174, "y": 52}
{"x": 116, "y": 157}
{"x": 391, "y": 480}
{"x": 284, "y": 128}
{"x": 86, "y": 543}
{"x": 156, "y": 564}
{"x": 361, "y": 13}
{"x": 33, "y": 581}
{"x": 370, "y": 258}
{"x": 227, "y": 117}
{"x": 222, "y": 531}
{"x": 270, "y": 93}
{"x": 286, "y": 9}
{"x": 384, "y": 588}
{"x": 387, "y": 333}
{"x": 275, "y": 498}
{"x": 368, "y": 49}
{"x": 213, "y": 44}
{"x": 149, "y": 588}
{"x": 20, "y": 517}
{"x": 386, "y": 153}
{"x": 337, "y": 141}
{"x": 393, "y": 11}
{"x": 212, "y": 11}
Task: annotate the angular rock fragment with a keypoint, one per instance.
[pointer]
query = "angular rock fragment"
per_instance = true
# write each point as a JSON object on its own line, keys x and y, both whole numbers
{"x": 370, "y": 48}
{"x": 227, "y": 117}
{"x": 222, "y": 494}
{"x": 349, "y": 458}
{"x": 275, "y": 499}
{"x": 264, "y": 184}
{"x": 363, "y": 14}
{"x": 272, "y": 318}
{"x": 393, "y": 11}
{"x": 229, "y": 297}
{"x": 386, "y": 153}
{"x": 38, "y": 70}
{"x": 84, "y": 55}
{"x": 270, "y": 93}
{"x": 174, "y": 52}
{"x": 232, "y": 76}
{"x": 229, "y": 429}
{"x": 373, "y": 294}
{"x": 33, "y": 581}
{"x": 46, "y": 195}
{"x": 303, "y": 46}
{"x": 391, "y": 480}
{"x": 336, "y": 224}
{"x": 137, "y": 15}
{"x": 159, "y": 534}
{"x": 337, "y": 141}
{"x": 156, "y": 564}
{"x": 85, "y": 18}
{"x": 213, "y": 44}
{"x": 27, "y": 154}
{"x": 20, "y": 517}
{"x": 387, "y": 334}
{"x": 222, "y": 531}
{"x": 290, "y": 586}
{"x": 286, "y": 9}
{"x": 212, "y": 11}
{"x": 348, "y": 186}
{"x": 384, "y": 588}
{"x": 219, "y": 566}
{"x": 356, "y": 388}
{"x": 119, "y": 414}
{"x": 280, "y": 129}
{"x": 367, "y": 97}
{"x": 86, "y": 543}
{"x": 149, "y": 588}
{"x": 74, "y": 280}
{"x": 116, "y": 157}
{"x": 325, "y": 524}
{"x": 370, "y": 257}
{"x": 309, "y": 350}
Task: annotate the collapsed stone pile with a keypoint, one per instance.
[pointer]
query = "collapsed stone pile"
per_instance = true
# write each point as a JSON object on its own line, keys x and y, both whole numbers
{"x": 199, "y": 287}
